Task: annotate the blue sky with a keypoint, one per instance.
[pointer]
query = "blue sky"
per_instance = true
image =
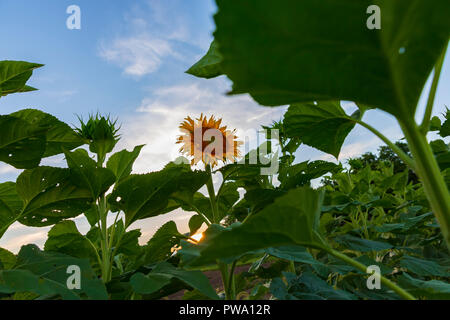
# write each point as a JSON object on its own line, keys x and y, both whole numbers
{"x": 128, "y": 60}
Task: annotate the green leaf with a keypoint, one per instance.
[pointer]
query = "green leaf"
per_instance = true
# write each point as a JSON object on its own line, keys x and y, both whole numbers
{"x": 445, "y": 128}
{"x": 45, "y": 273}
{"x": 148, "y": 195}
{"x": 209, "y": 65}
{"x": 363, "y": 245}
{"x": 323, "y": 126}
{"x": 226, "y": 198}
{"x": 432, "y": 289}
{"x": 163, "y": 273}
{"x": 297, "y": 224}
{"x": 22, "y": 144}
{"x": 59, "y": 134}
{"x": 121, "y": 163}
{"x": 423, "y": 267}
{"x": 293, "y": 253}
{"x": 86, "y": 173}
{"x": 50, "y": 196}
{"x": 201, "y": 203}
{"x": 308, "y": 286}
{"x": 439, "y": 146}
{"x": 159, "y": 247}
{"x": 7, "y": 259}
{"x": 280, "y": 291}
{"x": 28, "y": 89}
{"x": 129, "y": 244}
{"x": 17, "y": 281}
{"x": 92, "y": 215}
{"x": 435, "y": 124}
{"x": 65, "y": 238}
{"x": 302, "y": 173}
{"x": 322, "y": 50}
{"x": 195, "y": 222}
{"x": 10, "y": 205}
{"x": 14, "y": 75}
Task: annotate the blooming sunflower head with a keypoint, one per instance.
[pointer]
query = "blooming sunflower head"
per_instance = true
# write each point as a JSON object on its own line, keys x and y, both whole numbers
{"x": 207, "y": 141}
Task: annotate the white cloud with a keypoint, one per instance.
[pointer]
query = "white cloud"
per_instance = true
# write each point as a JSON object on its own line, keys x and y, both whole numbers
{"x": 7, "y": 169}
{"x": 137, "y": 55}
{"x": 19, "y": 235}
{"x": 153, "y": 30}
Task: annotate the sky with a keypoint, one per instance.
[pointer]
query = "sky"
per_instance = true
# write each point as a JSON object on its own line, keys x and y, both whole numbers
{"x": 128, "y": 60}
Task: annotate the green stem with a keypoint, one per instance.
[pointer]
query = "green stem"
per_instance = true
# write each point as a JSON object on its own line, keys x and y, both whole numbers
{"x": 223, "y": 267}
{"x": 104, "y": 239}
{"x": 391, "y": 285}
{"x": 425, "y": 126}
{"x": 96, "y": 252}
{"x": 407, "y": 159}
{"x": 212, "y": 195}
{"x": 224, "y": 273}
{"x": 113, "y": 254}
{"x": 291, "y": 267}
{"x": 231, "y": 284}
{"x": 428, "y": 171}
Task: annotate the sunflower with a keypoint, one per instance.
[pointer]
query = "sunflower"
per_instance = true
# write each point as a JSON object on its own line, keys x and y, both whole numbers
{"x": 207, "y": 141}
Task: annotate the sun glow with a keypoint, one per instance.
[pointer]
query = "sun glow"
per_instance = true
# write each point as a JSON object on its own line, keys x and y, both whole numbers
{"x": 197, "y": 237}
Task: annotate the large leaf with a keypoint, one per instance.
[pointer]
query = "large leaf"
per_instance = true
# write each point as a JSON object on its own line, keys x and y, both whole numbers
{"x": 323, "y": 126}
{"x": 291, "y": 219}
{"x": 148, "y": 195}
{"x": 293, "y": 253}
{"x": 302, "y": 173}
{"x": 432, "y": 289}
{"x": 307, "y": 286}
{"x": 423, "y": 267}
{"x": 121, "y": 163}
{"x": 22, "y": 144}
{"x": 59, "y": 134}
{"x": 195, "y": 223}
{"x": 291, "y": 51}
{"x": 127, "y": 243}
{"x": 10, "y": 205}
{"x": 159, "y": 247}
{"x": 65, "y": 238}
{"x": 209, "y": 65}
{"x": 162, "y": 275}
{"x": 86, "y": 174}
{"x": 363, "y": 245}
{"x": 45, "y": 273}
{"x": 17, "y": 281}
{"x": 14, "y": 75}
{"x": 49, "y": 196}
{"x": 7, "y": 259}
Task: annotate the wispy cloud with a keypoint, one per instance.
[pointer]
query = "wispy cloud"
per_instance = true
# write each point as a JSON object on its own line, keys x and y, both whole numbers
{"x": 153, "y": 30}
{"x": 137, "y": 55}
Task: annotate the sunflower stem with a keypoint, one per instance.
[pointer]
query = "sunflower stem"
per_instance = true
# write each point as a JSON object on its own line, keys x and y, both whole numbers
{"x": 223, "y": 267}
{"x": 212, "y": 195}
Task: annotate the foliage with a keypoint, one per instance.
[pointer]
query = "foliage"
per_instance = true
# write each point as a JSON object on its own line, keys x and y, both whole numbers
{"x": 297, "y": 239}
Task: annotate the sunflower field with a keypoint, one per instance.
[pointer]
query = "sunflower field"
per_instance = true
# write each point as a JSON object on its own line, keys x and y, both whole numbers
{"x": 374, "y": 227}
